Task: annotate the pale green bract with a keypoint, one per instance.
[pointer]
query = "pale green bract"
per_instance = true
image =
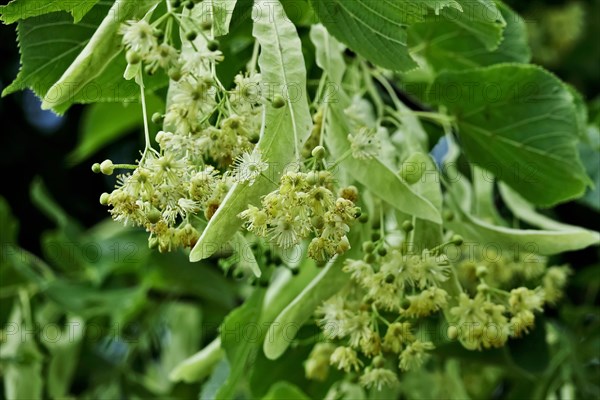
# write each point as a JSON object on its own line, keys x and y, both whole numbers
{"x": 284, "y": 129}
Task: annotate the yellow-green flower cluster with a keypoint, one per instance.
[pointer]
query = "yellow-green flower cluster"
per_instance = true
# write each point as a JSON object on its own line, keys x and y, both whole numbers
{"x": 305, "y": 205}
{"x": 371, "y": 319}
{"x": 207, "y": 143}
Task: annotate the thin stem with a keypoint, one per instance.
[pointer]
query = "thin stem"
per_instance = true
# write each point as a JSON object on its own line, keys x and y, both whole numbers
{"x": 323, "y": 123}
{"x": 342, "y": 158}
{"x": 144, "y": 110}
{"x": 254, "y": 60}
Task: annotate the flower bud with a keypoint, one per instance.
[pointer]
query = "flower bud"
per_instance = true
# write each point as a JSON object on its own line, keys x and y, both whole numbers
{"x": 413, "y": 168}
{"x": 452, "y": 332}
{"x": 481, "y": 271}
{"x": 107, "y": 167}
{"x": 448, "y": 215}
{"x": 175, "y": 74}
{"x": 382, "y": 251}
{"x": 319, "y": 152}
{"x": 278, "y": 101}
{"x": 96, "y": 168}
{"x": 368, "y": 247}
{"x": 379, "y": 362}
{"x": 213, "y": 45}
{"x": 153, "y": 216}
{"x": 191, "y": 35}
{"x": 457, "y": 240}
{"x": 157, "y": 118}
{"x": 206, "y": 24}
{"x": 407, "y": 226}
{"x": 104, "y": 199}
{"x": 189, "y": 4}
{"x": 364, "y": 218}
{"x": 133, "y": 57}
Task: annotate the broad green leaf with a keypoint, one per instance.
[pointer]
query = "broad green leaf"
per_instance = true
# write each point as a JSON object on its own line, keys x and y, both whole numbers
{"x": 328, "y": 53}
{"x": 479, "y": 17}
{"x": 64, "y": 355}
{"x": 22, "y": 373}
{"x": 100, "y": 82}
{"x": 221, "y": 11}
{"x": 98, "y": 131}
{"x": 282, "y": 66}
{"x": 288, "y": 322}
{"x": 589, "y": 152}
{"x": 240, "y": 350}
{"x": 285, "y": 390}
{"x": 200, "y": 365}
{"x": 375, "y": 29}
{"x": 245, "y": 329}
{"x": 450, "y": 45}
{"x": 374, "y": 174}
{"x": 525, "y": 211}
{"x": 22, "y": 9}
{"x": 527, "y": 241}
{"x": 98, "y": 53}
{"x": 519, "y": 122}
{"x": 244, "y": 254}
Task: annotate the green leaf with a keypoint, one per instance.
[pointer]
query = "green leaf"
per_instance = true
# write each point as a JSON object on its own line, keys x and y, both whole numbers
{"x": 239, "y": 349}
{"x": 374, "y": 174}
{"x": 22, "y": 373}
{"x": 328, "y": 53}
{"x": 525, "y": 211}
{"x": 374, "y": 29}
{"x": 222, "y": 11}
{"x": 527, "y": 241}
{"x": 590, "y": 156}
{"x": 288, "y": 322}
{"x": 285, "y": 390}
{"x": 98, "y": 131}
{"x": 200, "y": 365}
{"x": 98, "y": 53}
{"x": 22, "y": 9}
{"x": 245, "y": 329}
{"x": 377, "y": 30}
{"x": 9, "y": 226}
{"x": 282, "y": 65}
{"x": 479, "y": 17}
{"x": 519, "y": 122}
{"x": 64, "y": 354}
{"x": 450, "y": 45}
{"x": 244, "y": 254}
{"x": 83, "y": 64}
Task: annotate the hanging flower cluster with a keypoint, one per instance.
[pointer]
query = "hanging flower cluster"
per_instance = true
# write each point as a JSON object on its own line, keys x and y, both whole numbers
{"x": 371, "y": 325}
{"x": 208, "y": 141}
{"x": 370, "y": 322}
{"x": 305, "y": 205}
